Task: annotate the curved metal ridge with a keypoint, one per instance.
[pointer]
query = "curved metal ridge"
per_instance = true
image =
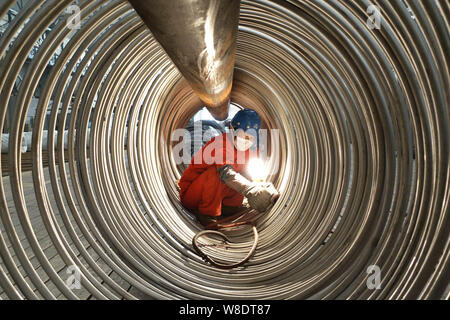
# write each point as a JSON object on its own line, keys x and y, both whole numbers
{"x": 363, "y": 172}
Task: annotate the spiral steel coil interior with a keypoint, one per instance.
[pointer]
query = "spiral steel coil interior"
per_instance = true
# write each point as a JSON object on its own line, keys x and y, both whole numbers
{"x": 363, "y": 154}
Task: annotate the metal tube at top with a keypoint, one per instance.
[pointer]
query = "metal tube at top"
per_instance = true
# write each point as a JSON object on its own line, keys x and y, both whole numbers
{"x": 200, "y": 38}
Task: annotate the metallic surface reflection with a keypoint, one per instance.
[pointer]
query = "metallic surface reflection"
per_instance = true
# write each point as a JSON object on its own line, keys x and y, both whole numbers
{"x": 200, "y": 38}
{"x": 364, "y": 154}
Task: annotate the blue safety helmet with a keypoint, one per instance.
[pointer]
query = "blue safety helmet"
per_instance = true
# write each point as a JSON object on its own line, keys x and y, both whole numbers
{"x": 246, "y": 119}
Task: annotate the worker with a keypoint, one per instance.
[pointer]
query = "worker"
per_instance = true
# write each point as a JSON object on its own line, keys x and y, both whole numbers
{"x": 214, "y": 181}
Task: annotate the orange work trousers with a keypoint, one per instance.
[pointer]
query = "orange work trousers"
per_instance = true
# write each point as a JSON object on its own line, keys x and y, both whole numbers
{"x": 207, "y": 193}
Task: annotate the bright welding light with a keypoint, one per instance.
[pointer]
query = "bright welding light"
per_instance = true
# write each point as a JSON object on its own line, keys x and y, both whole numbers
{"x": 257, "y": 169}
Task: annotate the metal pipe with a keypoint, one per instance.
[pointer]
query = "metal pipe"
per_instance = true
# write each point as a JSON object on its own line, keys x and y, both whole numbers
{"x": 200, "y": 38}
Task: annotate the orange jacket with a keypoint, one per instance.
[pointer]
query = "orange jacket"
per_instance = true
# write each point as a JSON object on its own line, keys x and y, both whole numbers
{"x": 207, "y": 157}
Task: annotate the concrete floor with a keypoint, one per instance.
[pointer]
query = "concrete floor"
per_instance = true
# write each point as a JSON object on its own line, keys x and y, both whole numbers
{"x": 46, "y": 244}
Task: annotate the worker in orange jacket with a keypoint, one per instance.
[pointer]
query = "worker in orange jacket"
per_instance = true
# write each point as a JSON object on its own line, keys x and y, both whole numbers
{"x": 213, "y": 178}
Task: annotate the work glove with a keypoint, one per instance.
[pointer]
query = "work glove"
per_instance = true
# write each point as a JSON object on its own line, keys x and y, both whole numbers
{"x": 260, "y": 196}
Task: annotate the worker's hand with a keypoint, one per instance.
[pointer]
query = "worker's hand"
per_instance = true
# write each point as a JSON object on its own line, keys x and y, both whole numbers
{"x": 272, "y": 189}
{"x": 261, "y": 196}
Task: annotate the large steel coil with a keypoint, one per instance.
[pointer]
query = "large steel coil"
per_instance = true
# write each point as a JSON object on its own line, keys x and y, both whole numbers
{"x": 363, "y": 113}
